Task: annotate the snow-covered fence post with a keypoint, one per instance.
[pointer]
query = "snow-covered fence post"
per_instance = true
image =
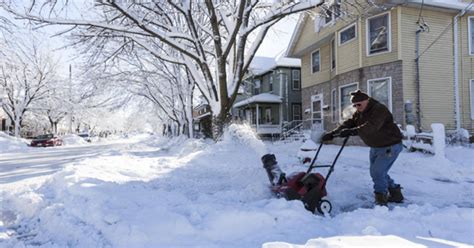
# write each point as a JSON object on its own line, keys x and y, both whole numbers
{"x": 439, "y": 139}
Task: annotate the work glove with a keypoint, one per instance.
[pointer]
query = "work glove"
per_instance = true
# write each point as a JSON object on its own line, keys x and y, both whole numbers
{"x": 346, "y": 132}
{"x": 327, "y": 136}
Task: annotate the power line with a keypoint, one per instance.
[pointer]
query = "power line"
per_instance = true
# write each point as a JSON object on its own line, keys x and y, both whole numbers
{"x": 444, "y": 31}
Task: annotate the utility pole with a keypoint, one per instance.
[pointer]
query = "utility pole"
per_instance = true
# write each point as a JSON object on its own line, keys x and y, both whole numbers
{"x": 70, "y": 100}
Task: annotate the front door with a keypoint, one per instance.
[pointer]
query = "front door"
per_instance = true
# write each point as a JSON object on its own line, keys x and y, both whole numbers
{"x": 317, "y": 113}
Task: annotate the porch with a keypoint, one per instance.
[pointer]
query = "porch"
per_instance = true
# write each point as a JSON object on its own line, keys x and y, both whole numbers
{"x": 263, "y": 112}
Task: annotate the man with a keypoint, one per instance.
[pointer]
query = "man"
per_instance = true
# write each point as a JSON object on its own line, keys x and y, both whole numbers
{"x": 373, "y": 122}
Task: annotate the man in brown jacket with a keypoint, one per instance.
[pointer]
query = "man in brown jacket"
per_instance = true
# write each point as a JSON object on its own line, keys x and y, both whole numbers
{"x": 373, "y": 122}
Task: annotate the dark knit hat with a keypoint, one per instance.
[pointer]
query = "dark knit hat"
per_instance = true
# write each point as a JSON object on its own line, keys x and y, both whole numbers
{"x": 358, "y": 96}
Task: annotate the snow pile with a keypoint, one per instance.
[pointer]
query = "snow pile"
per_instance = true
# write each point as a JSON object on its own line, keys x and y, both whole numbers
{"x": 73, "y": 139}
{"x": 439, "y": 139}
{"x": 159, "y": 192}
{"x": 10, "y": 144}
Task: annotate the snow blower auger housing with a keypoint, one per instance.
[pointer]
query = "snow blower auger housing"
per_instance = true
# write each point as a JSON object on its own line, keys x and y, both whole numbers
{"x": 308, "y": 187}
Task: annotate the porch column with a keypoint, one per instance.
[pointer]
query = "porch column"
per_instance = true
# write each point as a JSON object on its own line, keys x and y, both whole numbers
{"x": 258, "y": 115}
{"x": 281, "y": 117}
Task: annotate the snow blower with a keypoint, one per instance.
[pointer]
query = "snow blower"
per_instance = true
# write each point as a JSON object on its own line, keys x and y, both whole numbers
{"x": 309, "y": 187}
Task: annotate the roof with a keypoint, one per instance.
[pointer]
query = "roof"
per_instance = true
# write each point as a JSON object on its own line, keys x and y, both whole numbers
{"x": 261, "y": 65}
{"x": 451, "y": 4}
{"x": 260, "y": 98}
{"x": 444, "y": 4}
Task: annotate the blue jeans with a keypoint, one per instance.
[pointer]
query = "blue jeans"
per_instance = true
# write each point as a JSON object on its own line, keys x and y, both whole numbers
{"x": 381, "y": 160}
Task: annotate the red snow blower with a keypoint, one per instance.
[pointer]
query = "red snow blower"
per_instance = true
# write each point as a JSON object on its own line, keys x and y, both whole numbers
{"x": 308, "y": 187}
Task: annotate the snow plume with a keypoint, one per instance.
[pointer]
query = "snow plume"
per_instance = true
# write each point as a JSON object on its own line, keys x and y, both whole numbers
{"x": 347, "y": 112}
{"x": 245, "y": 135}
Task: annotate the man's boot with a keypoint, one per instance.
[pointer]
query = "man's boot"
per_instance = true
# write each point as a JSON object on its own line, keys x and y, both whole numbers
{"x": 395, "y": 194}
{"x": 381, "y": 199}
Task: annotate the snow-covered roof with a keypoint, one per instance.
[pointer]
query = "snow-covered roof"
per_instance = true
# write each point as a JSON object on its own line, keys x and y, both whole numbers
{"x": 260, "y": 98}
{"x": 450, "y": 4}
{"x": 261, "y": 65}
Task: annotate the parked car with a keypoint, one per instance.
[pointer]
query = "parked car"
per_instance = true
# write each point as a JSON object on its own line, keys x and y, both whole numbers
{"x": 85, "y": 136}
{"x": 46, "y": 140}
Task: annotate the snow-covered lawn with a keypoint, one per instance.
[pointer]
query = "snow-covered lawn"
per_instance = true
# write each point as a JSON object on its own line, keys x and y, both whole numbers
{"x": 149, "y": 191}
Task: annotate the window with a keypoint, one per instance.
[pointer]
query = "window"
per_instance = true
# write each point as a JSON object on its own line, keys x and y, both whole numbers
{"x": 333, "y": 54}
{"x": 332, "y": 13}
{"x": 296, "y": 111}
{"x": 315, "y": 62}
{"x": 256, "y": 88}
{"x": 316, "y": 112}
{"x": 270, "y": 87}
{"x": 334, "y": 105}
{"x": 381, "y": 90}
{"x": 345, "y": 105}
{"x": 268, "y": 115}
{"x": 347, "y": 34}
{"x": 378, "y": 34}
{"x": 295, "y": 74}
{"x": 472, "y": 98}
{"x": 471, "y": 34}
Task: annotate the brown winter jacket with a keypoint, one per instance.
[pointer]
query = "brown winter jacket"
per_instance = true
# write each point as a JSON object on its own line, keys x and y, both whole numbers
{"x": 374, "y": 125}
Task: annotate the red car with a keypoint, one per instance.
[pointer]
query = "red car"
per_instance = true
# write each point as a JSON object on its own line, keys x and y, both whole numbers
{"x": 46, "y": 140}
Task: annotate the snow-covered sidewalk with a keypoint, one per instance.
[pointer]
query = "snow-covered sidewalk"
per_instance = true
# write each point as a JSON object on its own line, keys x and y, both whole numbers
{"x": 196, "y": 193}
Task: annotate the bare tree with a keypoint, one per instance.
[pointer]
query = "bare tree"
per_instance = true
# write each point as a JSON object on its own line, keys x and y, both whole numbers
{"x": 25, "y": 73}
{"x": 216, "y": 40}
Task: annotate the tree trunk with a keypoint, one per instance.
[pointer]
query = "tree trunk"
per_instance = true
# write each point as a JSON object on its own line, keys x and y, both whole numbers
{"x": 219, "y": 123}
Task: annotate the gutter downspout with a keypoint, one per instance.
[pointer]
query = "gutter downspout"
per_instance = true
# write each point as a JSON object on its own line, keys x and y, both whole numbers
{"x": 457, "y": 111}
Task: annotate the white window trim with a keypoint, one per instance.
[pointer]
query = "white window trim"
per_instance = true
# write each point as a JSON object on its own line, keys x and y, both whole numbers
{"x": 471, "y": 93}
{"x": 333, "y": 46}
{"x": 319, "y": 69}
{"x": 389, "y": 89}
{"x": 340, "y": 97}
{"x": 318, "y": 97}
{"x": 293, "y": 110}
{"x": 333, "y": 95}
{"x": 471, "y": 49}
{"x": 367, "y": 36}
{"x": 344, "y": 29}
{"x": 299, "y": 79}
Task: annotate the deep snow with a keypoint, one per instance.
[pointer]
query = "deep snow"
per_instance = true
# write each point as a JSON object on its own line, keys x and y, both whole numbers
{"x": 149, "y": 191}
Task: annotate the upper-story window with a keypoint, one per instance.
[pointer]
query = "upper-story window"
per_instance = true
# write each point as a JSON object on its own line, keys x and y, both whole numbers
{"x": 270, "y": 87}
{"x": 333, "y": 54}
{"x": 296, "y": 79}
{"x": 256, "y": 88}
{"x": 332, "y": 12}
{"x": 315, "y": 62}
{"x": 471, "y": 34}
{"x": 378, "y": 34}
{"x": 347, "y": 34}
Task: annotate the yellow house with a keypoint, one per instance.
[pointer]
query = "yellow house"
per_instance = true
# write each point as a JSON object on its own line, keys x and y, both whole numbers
{"x": 414, "y": 56}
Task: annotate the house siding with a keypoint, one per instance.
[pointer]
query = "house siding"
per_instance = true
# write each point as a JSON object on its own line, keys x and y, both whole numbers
{"x": 466, "y": 67}
{"x": 433, "y": 81}
{"x": 394, "y": 70}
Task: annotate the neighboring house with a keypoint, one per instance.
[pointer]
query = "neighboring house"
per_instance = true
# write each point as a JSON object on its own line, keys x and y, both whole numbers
{"x": 270, "y": 99}
{"x": 377, "y": 53}
{"x": 202, "y": 120}
{"x": 4, "y": 120}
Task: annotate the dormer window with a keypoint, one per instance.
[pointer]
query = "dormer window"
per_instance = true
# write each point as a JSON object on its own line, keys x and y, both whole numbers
{"x": 332, "y": 12}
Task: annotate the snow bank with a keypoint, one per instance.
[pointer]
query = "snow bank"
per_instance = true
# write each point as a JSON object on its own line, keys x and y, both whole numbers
{"x": 179, "y": 192}
{"x": 10, "y": 144}
{"x": 73, "y": 139}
